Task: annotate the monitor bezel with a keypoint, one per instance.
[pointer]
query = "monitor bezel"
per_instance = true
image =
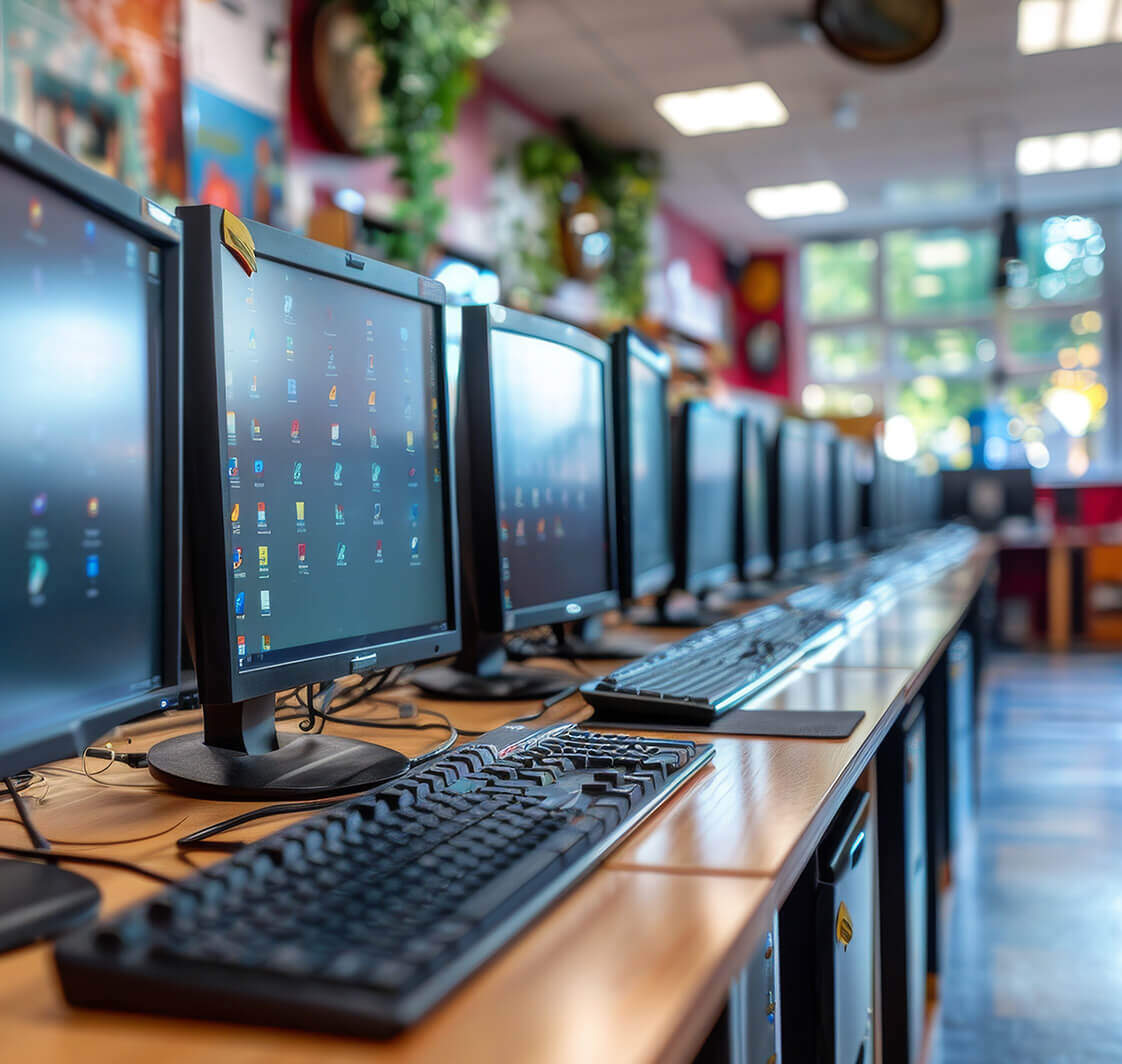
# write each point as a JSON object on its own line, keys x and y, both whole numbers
{"x": 39, "y": 161}
{"x": 477, "y": 393}
{"x": 791, "y": 559}
{"x": 658, "y": 578}
{"x": 847, "y": 495}
{"x": 821, "y": 434}
{"x": 700, "y": 581}
{"x": 759, "y": 563}
{"x": 211, "y": 580}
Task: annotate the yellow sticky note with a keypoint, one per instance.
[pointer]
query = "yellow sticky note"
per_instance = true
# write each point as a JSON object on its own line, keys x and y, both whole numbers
{"x": 239, "y": 242}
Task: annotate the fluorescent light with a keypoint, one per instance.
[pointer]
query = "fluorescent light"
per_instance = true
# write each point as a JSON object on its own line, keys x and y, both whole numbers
{"x": 797, "y": 201}
{"x": 1052, "y": 25}
{"x": 722, "y": 109}
{"x": 1070, "y": 151}
{"x": 1087, "y": 23}
{"x": 1038, "y": 26}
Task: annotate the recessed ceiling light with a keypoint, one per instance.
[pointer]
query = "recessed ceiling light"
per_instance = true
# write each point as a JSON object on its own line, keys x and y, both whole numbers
{"x": 1051, "y": 25}
{"x": 722, "y": 109}
{"x": 1070, "y": 151}
{"x": 797, "y": 201}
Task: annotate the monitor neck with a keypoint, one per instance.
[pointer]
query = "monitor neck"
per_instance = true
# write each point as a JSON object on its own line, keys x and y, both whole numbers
{"x": 247, "y": 727}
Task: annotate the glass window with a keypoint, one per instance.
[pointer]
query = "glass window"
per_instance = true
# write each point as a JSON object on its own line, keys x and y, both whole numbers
{"x": 933, "y": 273}
{"x": 1063, "y": 261}
{"x": 839, "y": 279}
{"x": 843, "y": 354}
{"x": 1071, "y": 342}
{"x": 952, "y": 351}
{"x": 940, "y": 409}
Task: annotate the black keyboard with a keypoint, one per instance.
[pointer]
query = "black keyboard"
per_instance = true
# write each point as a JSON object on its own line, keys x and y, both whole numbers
{"x": 847, "y": 601}
{"x": 361, "y": 918}
{"x": 713, "y": 670}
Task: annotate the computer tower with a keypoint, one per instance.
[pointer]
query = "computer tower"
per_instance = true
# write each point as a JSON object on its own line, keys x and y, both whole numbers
{"x": 960, "y": 736}
{"x": 826, "y": 939}
{"x": 902, "y": 875}
{"x": 745, "y": 1032}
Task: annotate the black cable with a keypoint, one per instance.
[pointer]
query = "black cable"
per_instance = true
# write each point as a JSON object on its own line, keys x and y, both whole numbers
{"x": 197, "y": 839}
{"x": 53, "y": 857}
{"x": 33, "y": 833}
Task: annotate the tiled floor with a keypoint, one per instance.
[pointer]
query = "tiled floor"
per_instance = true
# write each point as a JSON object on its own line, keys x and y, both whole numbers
{"x": 1033, "y": 973}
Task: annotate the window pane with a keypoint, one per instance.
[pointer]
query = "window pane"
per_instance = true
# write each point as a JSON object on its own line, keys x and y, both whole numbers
{"x": 939, "y": 410}
{"x": 838, "y": 279}
{"x": 840, "y": 400}
{"x": 842, "y": 354}
{"x": 1056, "y": 421}
{"x": 938, "y": 272}
{"x": 1063, "y": 262}
{"x": 1069, "y": 342}
{"x": 951, "y": 351}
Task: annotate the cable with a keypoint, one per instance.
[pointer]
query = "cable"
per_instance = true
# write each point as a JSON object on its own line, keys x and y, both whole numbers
{"x": 198, "y": 839}
{"x": 102, "y": 842}
{"x": 33, "y": 833}
{"x": 52, "y": 857}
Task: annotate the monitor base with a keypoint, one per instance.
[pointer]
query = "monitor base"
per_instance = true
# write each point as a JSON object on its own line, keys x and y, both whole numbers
{"x": 696, "y": 616}
{"x": 589, "y": 639}
{"x": 40, "y": 901}
{"x": 301, "y": 767}
{"x": 511, "y": 682}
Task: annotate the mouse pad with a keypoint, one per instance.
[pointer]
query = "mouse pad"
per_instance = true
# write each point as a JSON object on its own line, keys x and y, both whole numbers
{"x": 766, "y": 723}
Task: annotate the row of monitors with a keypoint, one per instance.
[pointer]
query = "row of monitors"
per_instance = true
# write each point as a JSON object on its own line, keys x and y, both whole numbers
{"x": 287, "y": 406}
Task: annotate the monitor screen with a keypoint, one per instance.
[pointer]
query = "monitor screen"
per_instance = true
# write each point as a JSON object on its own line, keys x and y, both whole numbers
{"x": 847, "y": 498}
{"x": 754, "y": 499}
{"x": 81, "y": 330}
{"x": 649, "y": 423}
{"x": 793, "y": 488}
{"x": 712, "y": 457}
{"x": 821, "y": 491}
{"x": 332, "y": 465}
{"x": 551, "y": 455}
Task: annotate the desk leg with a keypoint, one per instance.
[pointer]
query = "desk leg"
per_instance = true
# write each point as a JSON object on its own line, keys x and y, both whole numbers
{"x": 1059, "y": 597}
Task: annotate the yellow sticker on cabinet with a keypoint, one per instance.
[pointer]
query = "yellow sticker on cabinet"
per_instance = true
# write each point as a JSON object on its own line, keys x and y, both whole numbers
{"x": 843, "y": 929}
{"x": 239, "y": 242}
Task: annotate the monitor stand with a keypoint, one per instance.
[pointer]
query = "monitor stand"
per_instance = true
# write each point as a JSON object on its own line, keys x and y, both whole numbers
{"x": 241, "y": 755}
{"x": 590, "y": 640}
{"x": 40, "y": 901}
{"x": 695, "y": 615}
{"x": 482, "y": 672}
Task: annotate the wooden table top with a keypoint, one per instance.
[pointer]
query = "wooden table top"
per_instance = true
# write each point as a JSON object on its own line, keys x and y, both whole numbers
{"x": 633, "y": 965}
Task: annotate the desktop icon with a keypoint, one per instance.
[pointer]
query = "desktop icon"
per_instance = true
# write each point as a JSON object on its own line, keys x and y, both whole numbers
{"x": 294, "y": 431}
{"x": 231, "y": 424}
{"x": 253, "y": 386}
{"x": 339, "y": 513}
{"x": 93, "y": 507}
{"x": 373, "y": 440}
{"x": 239, "y": 604}
{"x": 235, "y": 513}
{"x": 259, "y": 467}
{"x": 331, "y": 360}
{"x": 337, "y": 474}
{"x": 436, "y": 474}
{"x": 504, "y": 531}
{"x": 255, "y": 428}
{"x": 34, "y": 213}
{"x": 266, "y": 644}
{"x": 409, "y": 445}
{"x": 375, "y": 474}
{"x": 297, "y": 472}
{"x": 288, "y": 306}
{"x": 341, "y": 554}
{"x": 415, "y": 512}
{"x": 370, "y": 363}
{"x": 233, "y": 467}
{"x": 292, "y": 388}
{"x": 265, "y": 603}
{"x": 301, "y": 553}
{"x": 260, "y": 513}
{"x": 289, "y": 349}
{"x": 541, "y": 528}
{"x": 253, "y": 339}
{"x": 335, "y": 432}
{"x": 241, "y": 646}
{"x": 377, "y": 511}
{"x": 372, "y": 402}
{"x": 93, "y": 566}
{"x": 412, "y": 472}
{"x": 39, "y": 504}
{"x": 263, "y": 557}
{"x": 237, "y": 558}
{"x": 299, "y": 511}
{"x": 378, "y": 551}
{"x": 37, "y": 570}
{"x": 414, "y": 547}
{"x": 333, "y": 394}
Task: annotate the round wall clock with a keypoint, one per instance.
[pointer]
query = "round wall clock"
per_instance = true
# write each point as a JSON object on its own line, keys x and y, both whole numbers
{"x": 761, "y": 285}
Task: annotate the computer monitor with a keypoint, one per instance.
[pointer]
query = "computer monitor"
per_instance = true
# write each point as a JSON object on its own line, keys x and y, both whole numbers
{"x": 537, "y": 481}
{"x": 321, "y": 532}
{"x": 884, "y": 506}
{"x": 820, "y": 542}
{"x": 754, "y": 539}
{"x": 987, "y": 496}
{"x": 790, "y": 474}
{"x": 89, "y": 327}
{"x": 847, "y": 497}
{"x": 642, "y": 452}
{"x": 707, "y": 496}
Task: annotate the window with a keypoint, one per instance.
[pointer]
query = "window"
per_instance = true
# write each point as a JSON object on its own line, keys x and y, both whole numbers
{"x": 839, "y": 280}
{"x": 910, "y": 323}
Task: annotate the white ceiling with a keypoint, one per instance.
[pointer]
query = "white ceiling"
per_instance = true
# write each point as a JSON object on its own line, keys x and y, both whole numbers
{"x": 955, "y": 114}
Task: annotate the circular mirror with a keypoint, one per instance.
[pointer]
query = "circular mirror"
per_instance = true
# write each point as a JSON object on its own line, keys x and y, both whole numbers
{"x": 881, "y": 32}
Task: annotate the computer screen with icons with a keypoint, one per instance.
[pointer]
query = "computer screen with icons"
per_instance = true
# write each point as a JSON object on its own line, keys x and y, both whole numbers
{"x": 89, "y": 327}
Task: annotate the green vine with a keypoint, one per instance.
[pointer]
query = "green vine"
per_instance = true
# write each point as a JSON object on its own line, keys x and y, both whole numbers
{"x": 625, "y": 180}
{"x": 427, "y": 49}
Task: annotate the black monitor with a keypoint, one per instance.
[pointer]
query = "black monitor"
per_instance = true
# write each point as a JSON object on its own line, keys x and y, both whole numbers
{"x": 987, "y": 496}
{"x": 754, "y": 539}
{"x": 321, "y": 532}
{"x": 847, "y": 497}
{"x": 884, "y": 507}
{"x": 790, "y": 477}
{"x": 707, "y": 496}
{"x": 537, "y": 480}
{"x": 89, "y": 327}
{"x": 642, "y": 450}
{"x": 820, "y": 514}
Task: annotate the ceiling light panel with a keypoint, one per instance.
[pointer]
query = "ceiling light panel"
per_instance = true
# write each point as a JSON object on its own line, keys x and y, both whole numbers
{"x": 723, "y": 109}
{"x": 797, "y": 201}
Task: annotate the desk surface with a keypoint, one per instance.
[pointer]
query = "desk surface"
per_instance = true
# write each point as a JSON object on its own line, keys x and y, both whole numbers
{"x": 632, "y": 966}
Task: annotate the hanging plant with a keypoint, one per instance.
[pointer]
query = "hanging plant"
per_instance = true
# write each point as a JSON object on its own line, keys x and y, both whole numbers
{"x": 427, "y": 50}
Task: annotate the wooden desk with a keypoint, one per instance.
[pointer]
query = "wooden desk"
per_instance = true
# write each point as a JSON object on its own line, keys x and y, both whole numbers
{"x": 633, "y": 965}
